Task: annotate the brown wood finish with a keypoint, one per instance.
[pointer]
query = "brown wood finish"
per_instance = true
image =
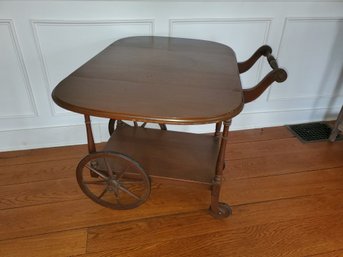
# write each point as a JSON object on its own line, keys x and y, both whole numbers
{"x": 66, "y": 243}
{"x": 163, "y": 80}
{"x": 90, "y": 139}
{"x": 217, "y": 179}
{"x": 286, "y": 199}
{"x": 253, "y": 93}
{"x": 35, "y": 156}
{"x": 218, "y": 128}
{"x": 276, "y": 75}
{"x": 169, "y": 154}
{"x": 38, "y": 171}
{"x": 246, "y": 65}
{"x": 242, "y": 241}
{"x": 334, "y": 253}
{"x": 37, "y": 193}
{"x": 156, "y": 79}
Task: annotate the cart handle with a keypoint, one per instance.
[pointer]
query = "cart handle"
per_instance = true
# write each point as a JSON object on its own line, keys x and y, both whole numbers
{"x": 277, "y": 74}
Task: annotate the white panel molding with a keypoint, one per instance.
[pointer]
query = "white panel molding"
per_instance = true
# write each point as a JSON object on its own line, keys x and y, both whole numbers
{"x": 267, "y": 20}
{"x": 35, "y": 23}
{"x": 30, "y": 138}
{"x": 292, "y": 110}
{"x": 320, "y": 97}
{"x": 24, "y": 73}
{"x": 283, "y": 117}
{"x": 288, "y": 20}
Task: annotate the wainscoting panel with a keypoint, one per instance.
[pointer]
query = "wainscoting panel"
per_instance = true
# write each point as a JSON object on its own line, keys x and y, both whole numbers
{"x": 15, "y": 83}
{"x": 42, "y": 42}
{"x": 317, "y": 77}
{"x": 65, "y": 45}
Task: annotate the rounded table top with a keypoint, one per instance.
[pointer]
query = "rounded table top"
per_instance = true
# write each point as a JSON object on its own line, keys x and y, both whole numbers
{"x": 156, "y": 79}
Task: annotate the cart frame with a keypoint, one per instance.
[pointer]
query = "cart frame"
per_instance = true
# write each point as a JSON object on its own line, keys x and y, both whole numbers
{"x": 217, "y": 208}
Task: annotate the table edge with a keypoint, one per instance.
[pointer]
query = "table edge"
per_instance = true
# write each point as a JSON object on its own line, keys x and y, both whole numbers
{"x": 141, "y": 118}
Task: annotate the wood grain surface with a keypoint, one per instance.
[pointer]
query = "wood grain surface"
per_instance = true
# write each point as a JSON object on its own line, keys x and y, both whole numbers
{"x": 156, "y": 79}
{"x": 169, "y": 154}
{"x": 66, "y": 243}
{"x": 286, "y": 199}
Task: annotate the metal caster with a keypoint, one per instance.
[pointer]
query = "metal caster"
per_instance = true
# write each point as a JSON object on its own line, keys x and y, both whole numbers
{"x": 223, "y": 211}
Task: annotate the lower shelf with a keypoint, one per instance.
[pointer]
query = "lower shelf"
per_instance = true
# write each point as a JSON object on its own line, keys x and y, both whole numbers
{"x": 169, "y": 154}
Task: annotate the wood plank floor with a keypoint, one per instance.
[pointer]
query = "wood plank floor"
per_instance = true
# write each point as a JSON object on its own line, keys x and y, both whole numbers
{"x": 287, "y": 200}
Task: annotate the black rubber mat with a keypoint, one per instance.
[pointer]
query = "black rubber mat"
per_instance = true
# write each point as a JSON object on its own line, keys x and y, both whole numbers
{"x": 310, "y": 132}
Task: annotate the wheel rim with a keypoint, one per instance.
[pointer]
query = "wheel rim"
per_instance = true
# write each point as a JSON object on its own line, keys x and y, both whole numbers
{"x": 113, "y": 180}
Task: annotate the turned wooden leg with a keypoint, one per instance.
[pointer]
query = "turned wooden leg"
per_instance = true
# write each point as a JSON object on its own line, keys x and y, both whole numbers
{"x": 218, "y": 209}
{"x": 218, "y": 127}
{"x": 90, "y": 139}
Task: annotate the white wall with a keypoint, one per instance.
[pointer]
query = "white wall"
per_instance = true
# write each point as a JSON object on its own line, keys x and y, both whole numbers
{"x": 41, "y": 42}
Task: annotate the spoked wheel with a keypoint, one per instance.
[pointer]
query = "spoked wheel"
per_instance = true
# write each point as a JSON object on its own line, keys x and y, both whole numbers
{"x": 113, "y": 124}
{"x": 121, "y": 183}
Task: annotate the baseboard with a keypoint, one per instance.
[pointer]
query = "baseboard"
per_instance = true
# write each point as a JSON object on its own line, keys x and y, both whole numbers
{"x": 32, "y": 138}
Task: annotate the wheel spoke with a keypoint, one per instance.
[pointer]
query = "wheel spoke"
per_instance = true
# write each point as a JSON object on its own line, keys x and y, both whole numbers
{"x": 102, "y": 194}
{"x": 96, "y": 172}
{"x": 116, "y": 197}
{"x": 131, "y": 175}
{"x": 121, "y": 173}
{"x": 109, "y": 169}
{"x": 99, "y": 182}
{"x": 129, "y": 193}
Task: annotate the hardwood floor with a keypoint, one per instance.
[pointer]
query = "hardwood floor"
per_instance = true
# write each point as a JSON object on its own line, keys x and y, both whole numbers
{"x": 287, "y": 200}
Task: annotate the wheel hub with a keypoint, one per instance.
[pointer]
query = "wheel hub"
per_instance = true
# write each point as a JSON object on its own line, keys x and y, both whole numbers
{"x": 112, "y": 185}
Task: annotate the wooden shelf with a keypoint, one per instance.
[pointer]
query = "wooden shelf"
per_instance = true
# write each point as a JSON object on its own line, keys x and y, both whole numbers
{"x": 168, "y": 154}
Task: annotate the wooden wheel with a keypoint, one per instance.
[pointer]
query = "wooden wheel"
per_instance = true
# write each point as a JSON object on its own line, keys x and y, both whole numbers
{"x": 113, "y": 124}
{"x": 121, "y": 183}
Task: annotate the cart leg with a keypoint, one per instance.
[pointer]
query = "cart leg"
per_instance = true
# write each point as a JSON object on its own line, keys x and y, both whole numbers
{"x": 218, "y": 209}
{"x": 90, "y": 139}
{"x": 218, "y": 127}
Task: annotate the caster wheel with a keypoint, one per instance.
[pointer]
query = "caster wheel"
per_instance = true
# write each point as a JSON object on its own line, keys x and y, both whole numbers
{"x": 120, "y": 182}
{"x": 223, "y": 211}
{"x": 113, "y": 124}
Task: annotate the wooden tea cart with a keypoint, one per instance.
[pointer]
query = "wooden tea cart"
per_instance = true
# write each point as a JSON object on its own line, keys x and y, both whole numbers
{"x": 159, "y": 80}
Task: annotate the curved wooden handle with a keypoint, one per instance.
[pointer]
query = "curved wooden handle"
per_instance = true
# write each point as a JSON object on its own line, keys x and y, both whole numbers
{"x": 277, "y": 74}
{"x": 262, "y": 51}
